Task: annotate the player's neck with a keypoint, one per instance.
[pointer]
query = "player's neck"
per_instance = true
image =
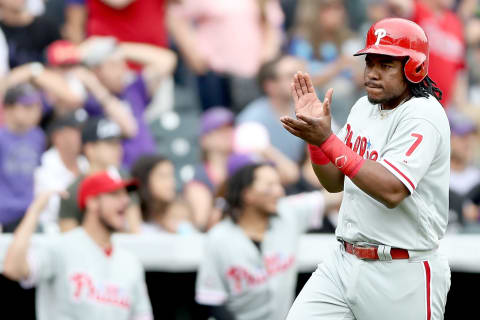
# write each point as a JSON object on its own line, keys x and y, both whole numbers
{"x": 100, "y": 235}
{"x": 253, "y": 223}
{"x": 392, "y": 104}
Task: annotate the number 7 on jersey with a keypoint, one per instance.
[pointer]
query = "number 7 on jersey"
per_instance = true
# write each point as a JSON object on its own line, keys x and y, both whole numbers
{"x": 415, "y": 144}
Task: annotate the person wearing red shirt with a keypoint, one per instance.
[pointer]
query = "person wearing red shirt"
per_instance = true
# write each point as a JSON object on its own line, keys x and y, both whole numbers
{"x": 444, "y": 30}
{"x": 126, "y": 20}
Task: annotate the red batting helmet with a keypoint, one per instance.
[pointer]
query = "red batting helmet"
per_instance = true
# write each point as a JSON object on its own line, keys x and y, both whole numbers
{"x": 400, "y": 38}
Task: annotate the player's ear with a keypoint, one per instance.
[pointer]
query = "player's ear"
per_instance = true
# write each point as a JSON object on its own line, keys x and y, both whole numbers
{"x": 248, "y": 197}
{"x": 92, "y": 204}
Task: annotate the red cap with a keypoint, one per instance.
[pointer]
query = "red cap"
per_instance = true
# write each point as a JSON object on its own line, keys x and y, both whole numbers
{"x": 62, "y": 52}
{"x": 100, "y": 183}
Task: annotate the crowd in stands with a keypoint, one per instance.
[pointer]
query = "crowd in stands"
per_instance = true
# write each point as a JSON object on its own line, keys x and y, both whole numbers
{"x": 180, "y": 94}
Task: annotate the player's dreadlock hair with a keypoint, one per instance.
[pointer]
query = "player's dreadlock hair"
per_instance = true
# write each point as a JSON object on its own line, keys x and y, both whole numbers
{"x": 424, "y": 88}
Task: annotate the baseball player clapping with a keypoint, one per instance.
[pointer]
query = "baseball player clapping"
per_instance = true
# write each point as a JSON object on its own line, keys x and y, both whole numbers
{"x": 392, "y": 162}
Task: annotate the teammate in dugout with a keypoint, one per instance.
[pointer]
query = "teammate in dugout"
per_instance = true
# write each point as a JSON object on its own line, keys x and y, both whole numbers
{"x": 392, "y": 162}
{"x": 248, "y": 271}
{"x": 80, "y": 275}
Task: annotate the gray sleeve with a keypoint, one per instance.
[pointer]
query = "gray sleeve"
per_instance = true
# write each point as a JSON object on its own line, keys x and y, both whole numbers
{"x": 42, "y": 263}
{"x": 307, "y": 209}
{"x": 210, "y": 287}
{"x": 141, "y": 308}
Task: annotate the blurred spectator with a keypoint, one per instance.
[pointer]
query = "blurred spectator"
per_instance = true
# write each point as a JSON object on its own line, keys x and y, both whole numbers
{"x": 274, "y": 78}
{"x": 61, "y": 164}
{"x": 118, "y": 93}
{"x": 472, "y": 30}
{"x": 27, "y": 36}
{"x": 4, "y": 67}
{"x": 375, "y": 10}
{"x": 141, "y": 21}
{"x": 55, "y": 91}
{"x": 289, "y": 8}
{"x": 162, "y": 210}
{"x": 446, "y": 40}
{"x": 467, "y": 8}
{"x": 217, "y": 142}
{"x": 101, "y": 144}
{"x": 322, "y": 37}
{"x": 21, "y": 145}
{"x": 471, "y": 211}
{"x": 226, "y": 64}
{"x": 464, "y": 175}
{"x": 308, "y": 182}
{"x": 253, "y": 250}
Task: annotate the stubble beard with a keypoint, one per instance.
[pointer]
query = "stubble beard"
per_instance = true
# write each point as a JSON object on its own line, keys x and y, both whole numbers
{"x": 111, "y": 229}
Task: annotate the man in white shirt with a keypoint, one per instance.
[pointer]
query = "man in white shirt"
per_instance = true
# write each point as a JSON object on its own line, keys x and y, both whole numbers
{"x": 392, "y": 162}
{"x": 61, "y": 164}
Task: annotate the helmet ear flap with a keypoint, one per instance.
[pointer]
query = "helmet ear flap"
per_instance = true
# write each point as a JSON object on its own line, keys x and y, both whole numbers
{"x": 415, "y": 71}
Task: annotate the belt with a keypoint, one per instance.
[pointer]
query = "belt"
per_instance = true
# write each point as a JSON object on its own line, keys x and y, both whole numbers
{"x": 375, "y": 252}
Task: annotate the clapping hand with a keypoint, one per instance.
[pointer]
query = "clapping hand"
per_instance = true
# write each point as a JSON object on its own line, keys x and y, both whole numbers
{"x": 313, "y": 123}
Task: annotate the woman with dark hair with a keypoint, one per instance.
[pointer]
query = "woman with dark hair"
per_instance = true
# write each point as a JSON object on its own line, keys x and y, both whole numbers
{"x": 249, "y": 269}
{"x": 161, "y": 209}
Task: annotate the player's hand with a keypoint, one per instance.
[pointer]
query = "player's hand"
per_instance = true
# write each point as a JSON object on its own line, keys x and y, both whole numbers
{"x": 313, "y": 123}
{"x": 41, "y": 200}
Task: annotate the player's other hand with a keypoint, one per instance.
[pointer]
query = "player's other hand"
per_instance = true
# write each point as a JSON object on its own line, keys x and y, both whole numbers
{"x": 313, "y": 123}
{"x": 41, "y": 200}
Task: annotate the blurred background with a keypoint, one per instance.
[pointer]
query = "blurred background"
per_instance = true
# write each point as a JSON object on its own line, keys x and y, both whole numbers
{"x": 176, "y": 92}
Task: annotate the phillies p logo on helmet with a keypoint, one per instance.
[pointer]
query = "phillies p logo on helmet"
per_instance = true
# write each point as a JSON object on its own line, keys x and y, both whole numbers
{"x": 380, "y": 33}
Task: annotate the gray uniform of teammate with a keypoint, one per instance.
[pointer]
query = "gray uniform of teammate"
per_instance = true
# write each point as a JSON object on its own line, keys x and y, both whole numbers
{"x": 257, "y": 285}
{"x": 76, "y": 279}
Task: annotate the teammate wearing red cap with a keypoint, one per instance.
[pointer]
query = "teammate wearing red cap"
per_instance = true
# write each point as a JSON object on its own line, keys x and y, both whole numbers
{"x": 80, "y": 275}
{"x": 392, "y": 162}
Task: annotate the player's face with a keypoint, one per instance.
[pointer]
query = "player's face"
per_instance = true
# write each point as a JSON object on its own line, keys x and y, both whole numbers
{"x": 384, "y": 80}
{"x": 112, "y": 208}
{"x": 266, "y": 190}
{"x": 162, "y": 182}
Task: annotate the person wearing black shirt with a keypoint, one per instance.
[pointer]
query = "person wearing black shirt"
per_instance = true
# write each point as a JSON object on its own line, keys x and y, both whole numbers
{"x": 27, "y": 36}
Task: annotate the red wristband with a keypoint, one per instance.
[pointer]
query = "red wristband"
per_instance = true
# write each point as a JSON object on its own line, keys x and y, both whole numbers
{"x": 344, "y": 158}
{"x": 317, "y": 156}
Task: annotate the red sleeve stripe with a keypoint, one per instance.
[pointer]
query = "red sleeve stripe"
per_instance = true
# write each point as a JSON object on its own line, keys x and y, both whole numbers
{"x": 401, "y": 173}
{"x": 427, "y": 284}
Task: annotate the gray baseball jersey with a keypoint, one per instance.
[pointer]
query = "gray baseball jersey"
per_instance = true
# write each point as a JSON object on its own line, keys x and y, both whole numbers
{"x": 411, "y": 141}
{"x": 76, "y": 279}
{"x": 257, "y": 285}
